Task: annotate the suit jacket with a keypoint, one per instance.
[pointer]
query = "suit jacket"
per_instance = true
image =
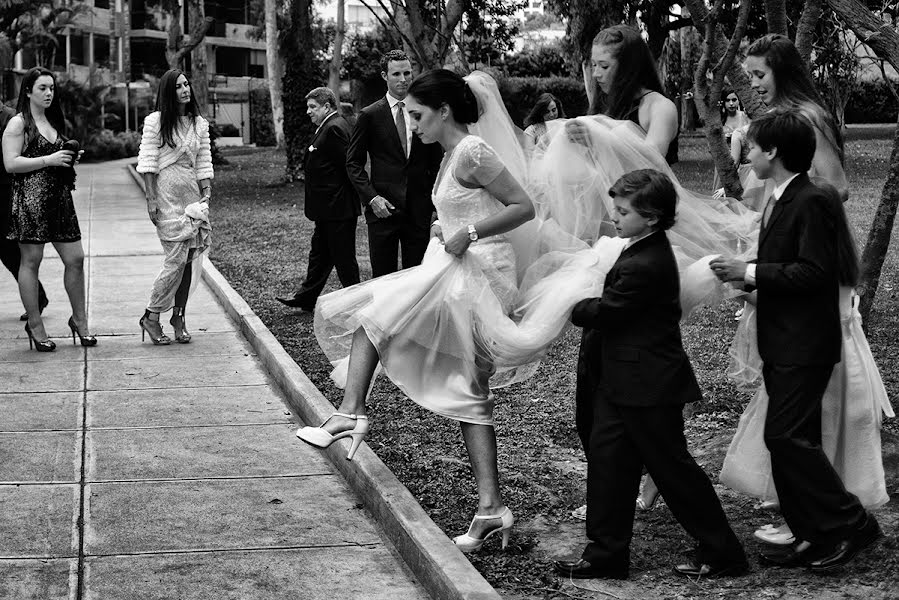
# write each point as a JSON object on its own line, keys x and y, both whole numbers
{"x": 329, "y": 193}
{"x": 797, "y": 280}
{"x": 636, "y": 345}
{"x": 406, "y": 182}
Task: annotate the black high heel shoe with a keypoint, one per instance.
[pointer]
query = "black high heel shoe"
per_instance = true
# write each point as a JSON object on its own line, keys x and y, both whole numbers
{"x": 86, "y": 340}
{"x": 181, "y": 334}
{"x": 156, "y": 335}
{"x": 45, "y": 346}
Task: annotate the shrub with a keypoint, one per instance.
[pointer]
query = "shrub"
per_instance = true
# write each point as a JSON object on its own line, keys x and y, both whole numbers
{"x": 262, "y": 129}
{"x": 521, "y": 93}
{"x": 872, "y": 102}
{"x": 228, "y": 130}
{"x": 545, "y": 61}
{"x": 106, "y": 145}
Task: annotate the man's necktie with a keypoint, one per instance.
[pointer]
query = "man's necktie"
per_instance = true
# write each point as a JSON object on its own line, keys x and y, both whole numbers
{"x": 769, "y": 208}
{"x": 401, "y": 127}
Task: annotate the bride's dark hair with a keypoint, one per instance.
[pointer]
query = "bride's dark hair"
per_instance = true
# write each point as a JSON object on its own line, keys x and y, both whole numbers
{"x": 636, "y": 70}
{"x": 442, "y": 86}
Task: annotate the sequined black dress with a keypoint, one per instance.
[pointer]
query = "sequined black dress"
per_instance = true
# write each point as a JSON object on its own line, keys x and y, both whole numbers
{"x": 42, "y": 207}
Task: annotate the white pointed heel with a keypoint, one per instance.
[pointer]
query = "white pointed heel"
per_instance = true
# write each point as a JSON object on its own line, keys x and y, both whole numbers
{"x": 317, "y": 436}
{"x": 468, "y": 543}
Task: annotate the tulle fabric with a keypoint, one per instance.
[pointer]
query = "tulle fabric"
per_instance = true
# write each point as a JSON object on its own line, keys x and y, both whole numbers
{"x": 852, "y": 411}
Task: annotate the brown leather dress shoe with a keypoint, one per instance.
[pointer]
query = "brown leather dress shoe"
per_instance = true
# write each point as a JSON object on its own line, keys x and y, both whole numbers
{"x": 582, "y": 569}
{"x": 846, "y": 550}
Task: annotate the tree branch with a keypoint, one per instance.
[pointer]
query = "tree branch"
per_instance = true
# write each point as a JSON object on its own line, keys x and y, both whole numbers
{"x": 805, "y": 30}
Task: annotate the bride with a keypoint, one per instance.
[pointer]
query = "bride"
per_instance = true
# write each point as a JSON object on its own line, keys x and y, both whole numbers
{"x": 496, "y": 286}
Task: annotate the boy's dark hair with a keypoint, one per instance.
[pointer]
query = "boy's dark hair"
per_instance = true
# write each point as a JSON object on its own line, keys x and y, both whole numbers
{"x": 651, "y": 194}
{"x": 391, "y": 56}
{"x": 791, "y": 133}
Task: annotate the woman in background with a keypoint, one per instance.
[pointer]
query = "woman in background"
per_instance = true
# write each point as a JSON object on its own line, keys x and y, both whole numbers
{"x": 176, "y": 162}
{"x": 547, "y": 108}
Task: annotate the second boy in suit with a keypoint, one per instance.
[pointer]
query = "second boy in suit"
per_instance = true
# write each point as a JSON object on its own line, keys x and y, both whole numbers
{"x": 797, "y": 281}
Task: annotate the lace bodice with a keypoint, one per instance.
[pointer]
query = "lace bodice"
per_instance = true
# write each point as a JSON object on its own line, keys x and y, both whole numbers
{"x": 458, "y": 206}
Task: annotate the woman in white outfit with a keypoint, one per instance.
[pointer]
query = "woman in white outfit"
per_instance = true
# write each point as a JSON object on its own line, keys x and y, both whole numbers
{"x": 176, "y": 162}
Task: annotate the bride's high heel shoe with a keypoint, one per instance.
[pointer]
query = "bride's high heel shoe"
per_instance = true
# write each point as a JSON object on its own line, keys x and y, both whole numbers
{"x": 317, "y": 436}
{"x": 468, "y": 543}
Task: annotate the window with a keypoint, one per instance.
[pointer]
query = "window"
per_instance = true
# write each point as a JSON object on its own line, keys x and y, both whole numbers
{"x": 101, "y": 3}
{"x": 101, "y": 50}
{"x": 232, "y": 61}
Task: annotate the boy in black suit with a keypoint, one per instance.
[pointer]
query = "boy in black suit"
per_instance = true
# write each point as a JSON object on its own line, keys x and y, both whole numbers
{"x": 644, "y": 379}
{"x": 800, "y": 339}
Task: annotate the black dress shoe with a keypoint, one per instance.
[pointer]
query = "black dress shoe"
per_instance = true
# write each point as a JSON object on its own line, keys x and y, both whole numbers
{"x": 797, "y": 554}
{"x": 697, "y": 569}
{"x": 582, "y": 569}
{"x": 846, "y": 550}
{"x": 295, "y": 303}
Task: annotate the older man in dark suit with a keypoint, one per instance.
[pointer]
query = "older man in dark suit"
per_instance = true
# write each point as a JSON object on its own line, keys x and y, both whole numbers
{"x": 10, "y": 255}
{"x": 397, "y": 193}
{"x": 331, "y": 202}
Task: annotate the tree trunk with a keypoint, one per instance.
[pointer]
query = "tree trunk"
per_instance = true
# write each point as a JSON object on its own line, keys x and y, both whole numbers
{"x": 884, "y": 40}
{"x": 337, "y": 54}
{"x": 805, "y": 31}
{"x": 299, "y": 76}
{"x": 176, "y": 46}
{"x": 708, "y": 97}
{"x": 751, "y": 101}
{"x": 199, "y": 79}
{"x": 776, "y": 16}
{"x": 275, "y": 69}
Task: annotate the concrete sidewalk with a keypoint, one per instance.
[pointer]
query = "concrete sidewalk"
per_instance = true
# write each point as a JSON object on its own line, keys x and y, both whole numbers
{"x": 134, "y": 471}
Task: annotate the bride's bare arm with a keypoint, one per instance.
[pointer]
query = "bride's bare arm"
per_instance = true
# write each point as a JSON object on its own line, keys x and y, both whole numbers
{"x": 518, "y": 209}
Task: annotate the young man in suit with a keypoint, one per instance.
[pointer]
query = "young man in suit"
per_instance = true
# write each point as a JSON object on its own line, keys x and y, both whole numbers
{"x": 800, "y": 341}
{"x": 644, "y": 380}
{"x": 397, "y": 194}
{"x": 10, "y": 255}
{"x": 331, "y": 202}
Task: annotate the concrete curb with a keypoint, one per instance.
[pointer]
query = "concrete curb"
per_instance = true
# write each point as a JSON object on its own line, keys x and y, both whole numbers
{"x": 436, "y": 562}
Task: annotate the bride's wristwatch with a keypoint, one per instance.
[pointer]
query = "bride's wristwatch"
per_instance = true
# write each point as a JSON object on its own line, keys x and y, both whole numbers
{"x": 472, "y": 233}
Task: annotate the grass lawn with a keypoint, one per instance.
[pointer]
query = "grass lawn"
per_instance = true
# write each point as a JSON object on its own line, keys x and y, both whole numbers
{"x": 261, "y": 245}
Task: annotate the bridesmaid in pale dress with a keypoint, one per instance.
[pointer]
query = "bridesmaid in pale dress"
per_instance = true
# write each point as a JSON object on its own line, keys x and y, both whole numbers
{"x": 426, "y": 331}
{"x": 176, "y": 162}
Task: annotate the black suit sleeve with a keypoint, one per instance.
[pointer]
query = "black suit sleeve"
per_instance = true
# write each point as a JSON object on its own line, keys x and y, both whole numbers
{"x": 356, "y": 157}
{"x": 628, "y": 294}
{"x": 816, "y": 257}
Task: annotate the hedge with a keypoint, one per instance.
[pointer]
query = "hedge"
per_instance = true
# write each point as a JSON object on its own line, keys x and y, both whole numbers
{"x": 872, "y": 102}
{"x": 262, "y": 129}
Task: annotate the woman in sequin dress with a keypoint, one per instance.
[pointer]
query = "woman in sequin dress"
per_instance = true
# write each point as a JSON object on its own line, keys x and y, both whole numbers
{"x": 176, "y": 162}
{"x": 42, "y": 207}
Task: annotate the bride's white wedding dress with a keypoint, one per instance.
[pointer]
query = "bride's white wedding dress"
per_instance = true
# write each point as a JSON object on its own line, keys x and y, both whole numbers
{"x": 852, "y": 410}
{"x": 443, "y": 329}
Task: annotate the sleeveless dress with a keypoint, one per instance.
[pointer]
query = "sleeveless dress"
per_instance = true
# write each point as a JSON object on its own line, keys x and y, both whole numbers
{"x": 426, "y": 321}
{"x": 42, "y": 206}
{"x": 851, "y": 414}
